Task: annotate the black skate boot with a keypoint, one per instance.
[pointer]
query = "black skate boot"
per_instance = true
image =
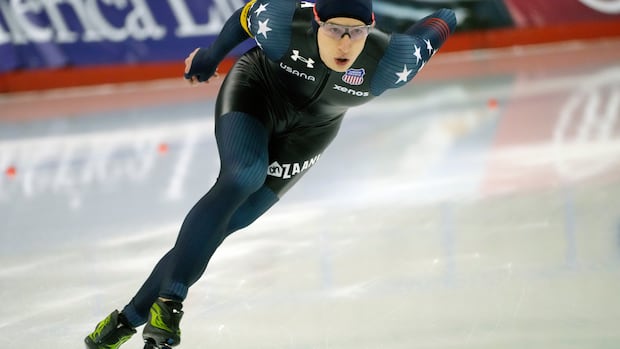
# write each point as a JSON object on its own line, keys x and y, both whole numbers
{"x": 162, "y": 329}
{"x": 110, "y": 333}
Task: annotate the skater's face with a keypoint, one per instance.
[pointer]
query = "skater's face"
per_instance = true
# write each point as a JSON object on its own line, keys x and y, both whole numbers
{"x": 340, "y": 41}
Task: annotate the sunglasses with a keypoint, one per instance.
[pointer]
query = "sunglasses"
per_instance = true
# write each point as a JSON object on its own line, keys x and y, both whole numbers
{"x": 337, "y": 31}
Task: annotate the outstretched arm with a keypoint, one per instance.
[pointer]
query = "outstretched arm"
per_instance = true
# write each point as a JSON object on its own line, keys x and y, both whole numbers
{"x": 407, "y": 53}
{"x": 434, "y": 29}
{"x": 202, "y": 63}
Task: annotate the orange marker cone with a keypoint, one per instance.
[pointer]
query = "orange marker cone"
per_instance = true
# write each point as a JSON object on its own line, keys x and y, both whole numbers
{"x": 10, "y": 171}
{"x": 162, "y": 148}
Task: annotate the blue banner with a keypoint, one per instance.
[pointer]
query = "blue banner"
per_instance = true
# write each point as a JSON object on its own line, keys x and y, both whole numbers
{"x": 63, "y": 33}
{"x": 59, "y": 33}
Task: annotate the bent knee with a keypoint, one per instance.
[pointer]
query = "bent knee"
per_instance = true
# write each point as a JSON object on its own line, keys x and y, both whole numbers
{"x": 243, "y": 181}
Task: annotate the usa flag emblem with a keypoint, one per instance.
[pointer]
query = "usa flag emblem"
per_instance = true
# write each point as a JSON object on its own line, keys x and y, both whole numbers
{"x": 354, "y": 77}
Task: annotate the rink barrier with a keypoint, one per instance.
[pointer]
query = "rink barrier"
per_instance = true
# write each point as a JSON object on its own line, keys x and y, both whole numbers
{"x": 43, "y": 79}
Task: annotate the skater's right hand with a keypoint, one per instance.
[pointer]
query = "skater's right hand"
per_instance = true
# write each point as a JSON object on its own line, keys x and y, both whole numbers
{"x": 199, "y": 67}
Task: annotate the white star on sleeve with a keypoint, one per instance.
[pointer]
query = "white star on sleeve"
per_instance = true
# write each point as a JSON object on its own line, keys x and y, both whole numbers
{"x": 417, "y": 54}
{"x": 261, "y": 8}
{"x": 404, "y": 75}
{"x": 429, "y": 47}
{"x": 263, "y": 28}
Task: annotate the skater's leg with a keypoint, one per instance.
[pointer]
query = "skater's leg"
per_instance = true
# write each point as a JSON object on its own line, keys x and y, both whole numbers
{"x": 243, "y": 147}
{"x": 254, "y": 207}
{"x": 257, "y": 204}
{"x": 169, "y": 312}
{"x": 137, "y": 310}
{"x": 242, "y": 143}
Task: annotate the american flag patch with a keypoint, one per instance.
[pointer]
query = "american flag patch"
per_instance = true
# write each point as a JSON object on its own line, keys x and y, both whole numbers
{"x": 354, "y": 77}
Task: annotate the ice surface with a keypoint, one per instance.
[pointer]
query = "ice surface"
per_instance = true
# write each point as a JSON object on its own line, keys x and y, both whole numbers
{"x": 475, "y": 208}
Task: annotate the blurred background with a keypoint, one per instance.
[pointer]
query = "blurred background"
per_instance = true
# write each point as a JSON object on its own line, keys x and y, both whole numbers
{"x": 478, "y": 207}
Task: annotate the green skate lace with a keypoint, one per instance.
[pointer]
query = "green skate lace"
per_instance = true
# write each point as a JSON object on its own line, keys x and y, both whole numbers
{"x": 116, "y": 345}
{"x": 95, "y": 336}
{"x": 157, "y": 320}
{"x": 100, "y": 327}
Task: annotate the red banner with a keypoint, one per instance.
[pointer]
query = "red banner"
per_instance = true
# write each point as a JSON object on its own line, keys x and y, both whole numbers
{"x": 527, "y": 13}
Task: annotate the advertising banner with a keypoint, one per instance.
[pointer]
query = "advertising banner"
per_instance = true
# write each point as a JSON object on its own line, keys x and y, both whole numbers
{"x": 66, "y": 33}
{"x": 48, "y": 34}
{"x": 397, "y": 15}
{"x": 527, "y": 13}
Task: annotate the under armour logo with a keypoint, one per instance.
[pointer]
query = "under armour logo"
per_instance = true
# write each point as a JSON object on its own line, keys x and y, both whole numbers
{"x": 309, "y": 61}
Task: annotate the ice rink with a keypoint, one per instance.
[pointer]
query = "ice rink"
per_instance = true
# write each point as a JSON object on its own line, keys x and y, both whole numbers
{"x": 476, "y": 208}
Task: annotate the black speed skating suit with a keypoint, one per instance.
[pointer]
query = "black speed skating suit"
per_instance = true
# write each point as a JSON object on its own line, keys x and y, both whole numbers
{"x": 278, "y": 109}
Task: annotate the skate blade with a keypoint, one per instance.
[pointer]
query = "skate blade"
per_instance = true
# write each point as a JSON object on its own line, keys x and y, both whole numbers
{"x": 150, "y": 343}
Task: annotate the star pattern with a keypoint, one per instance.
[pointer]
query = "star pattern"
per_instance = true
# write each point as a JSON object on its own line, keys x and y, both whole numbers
{"x": 404, "y": 75}
{"x": 263, "y": 28}
{"x": 429, "y": 47}
{"x": 262, "y": 8}
{"x": 417, "y": 53}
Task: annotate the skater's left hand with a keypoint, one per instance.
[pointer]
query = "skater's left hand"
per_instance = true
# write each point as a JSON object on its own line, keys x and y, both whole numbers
{"x": 198, "y": 68}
